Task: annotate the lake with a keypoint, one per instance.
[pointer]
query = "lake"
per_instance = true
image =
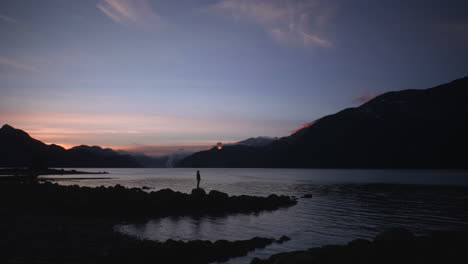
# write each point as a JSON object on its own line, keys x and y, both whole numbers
{"x": 346, "y": 204}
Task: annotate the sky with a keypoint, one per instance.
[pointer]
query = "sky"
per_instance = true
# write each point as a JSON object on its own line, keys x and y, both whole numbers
{"x": 159, "y": 76}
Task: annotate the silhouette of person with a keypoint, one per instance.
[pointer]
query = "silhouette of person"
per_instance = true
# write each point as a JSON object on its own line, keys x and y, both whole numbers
{"x": 198, "y": 179}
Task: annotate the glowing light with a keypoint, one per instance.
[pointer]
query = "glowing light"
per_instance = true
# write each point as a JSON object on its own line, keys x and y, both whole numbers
{"x": 219, "y": 145}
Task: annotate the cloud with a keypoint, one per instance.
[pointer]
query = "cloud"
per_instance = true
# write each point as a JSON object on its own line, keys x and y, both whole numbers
{"x": 130, "y": 12}
{"x": 286, "y": 21}
{"x": 17, "y": 65}
{"x": 365, "y": 97}
{"x": 304, "y": 125}
{"x": 113, "y": 130}
{"x": 8, "y": 19}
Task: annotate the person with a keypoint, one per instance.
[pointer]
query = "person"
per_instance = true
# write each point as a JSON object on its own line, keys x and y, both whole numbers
{"x": 198, "y": 179}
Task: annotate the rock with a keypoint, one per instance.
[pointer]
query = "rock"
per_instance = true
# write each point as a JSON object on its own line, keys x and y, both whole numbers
{"x": 359, "y": 244}
{"x": 256, "y": 261}
{"x": 396, "y": 245}
{"x": 217, "y": 195}
{"x": 273, "y": 196}
{"x": 122, "y": 202}
{"x": 164, "y": 195}
{"x": 307, "y": 196}
{"x": 283, "y": 239}
{"x": 295, "y": 258}
{"x": 145, "y": 188}
{"x": 198, "y": 193}
{"x": 394, "y": 235}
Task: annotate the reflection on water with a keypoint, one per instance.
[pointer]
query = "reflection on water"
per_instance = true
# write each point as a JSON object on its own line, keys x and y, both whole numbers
{"x": 346, "y": 204}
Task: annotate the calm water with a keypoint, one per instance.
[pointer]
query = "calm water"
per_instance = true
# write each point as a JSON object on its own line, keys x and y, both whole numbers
{"x": 346, "y": 204}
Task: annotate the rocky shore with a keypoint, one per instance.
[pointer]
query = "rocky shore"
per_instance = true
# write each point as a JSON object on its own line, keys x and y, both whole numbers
{"x": 61, "y": 239}
{"x": 392, "y": 246}
{"x": 120, "y": 202}
{"x": 27, "y": 172}
{"x": 43, "y": 222}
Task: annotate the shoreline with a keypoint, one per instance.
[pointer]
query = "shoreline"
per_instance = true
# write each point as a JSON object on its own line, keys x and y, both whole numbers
{"x": 57, "y": 239}
{"x": 38, "y": 172}
{"x": 44, "y": 222}
{"x": 395, "y": 245}
{"x": 128, "y": 203}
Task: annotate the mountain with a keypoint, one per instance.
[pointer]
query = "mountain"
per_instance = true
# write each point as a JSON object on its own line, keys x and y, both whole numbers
{"x": 257, "y": 141}
{"x": 18, "y": 149}
{"x": 403, "y": 129}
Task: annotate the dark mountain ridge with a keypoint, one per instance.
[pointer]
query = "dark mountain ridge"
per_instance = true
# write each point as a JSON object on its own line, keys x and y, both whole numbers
{"x": 18, "y": 149}
{"x": 257, "y": 141}
{"x": 404, "y": 129}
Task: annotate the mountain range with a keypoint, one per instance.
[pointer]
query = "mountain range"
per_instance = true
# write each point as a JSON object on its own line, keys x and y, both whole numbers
{"x": 403, "y": 129}
{"x": 18, "y": 149}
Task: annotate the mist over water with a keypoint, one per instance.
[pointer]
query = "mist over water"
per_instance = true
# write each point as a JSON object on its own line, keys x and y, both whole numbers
{"x": 346, "y": 204}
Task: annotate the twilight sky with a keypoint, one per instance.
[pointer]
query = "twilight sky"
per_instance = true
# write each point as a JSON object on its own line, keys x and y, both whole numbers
{"x": 156, "y": 76}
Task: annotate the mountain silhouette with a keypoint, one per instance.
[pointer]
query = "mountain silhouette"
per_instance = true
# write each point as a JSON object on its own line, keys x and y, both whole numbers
{"x": 18, "y": 149}
{"x": 404, "y": 129}
{"x": 257, "y": 141}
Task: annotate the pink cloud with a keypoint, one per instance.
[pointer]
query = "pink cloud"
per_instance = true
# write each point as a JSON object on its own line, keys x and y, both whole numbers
{"x": 295, "y": 21}
{"x": 365, "y": 97}
{"x": 114, "y": 130}
{"x": 130, "y": 13}
{"x": 18, "y": 65}
{"x": 304, "y": 125}
{"x": 8, "y": 19}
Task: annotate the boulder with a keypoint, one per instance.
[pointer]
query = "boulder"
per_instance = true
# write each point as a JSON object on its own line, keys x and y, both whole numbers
{"x": 394, "y": 235}
{"x": 295, "y": 258}
{"x": 283, "y": 239}
{"x": 217, "y": 195}
{"x": 359, "y": 244}
{"x": 198, "y": 193}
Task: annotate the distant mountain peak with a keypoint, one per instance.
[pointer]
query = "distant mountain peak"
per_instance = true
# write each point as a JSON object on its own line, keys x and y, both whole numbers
{"x": 9, "y": 130}
{"x": 7, "y": 127}
{"x": 18, "y": 149}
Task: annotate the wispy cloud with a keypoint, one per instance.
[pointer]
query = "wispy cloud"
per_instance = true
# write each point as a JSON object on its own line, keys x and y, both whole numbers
{"x": 365, "y": 97}
{"x": 130, "y": 12}
{"x": 8, "y": 19}
{"x": 297, "y": 21}
{"x": 17, "y": 65}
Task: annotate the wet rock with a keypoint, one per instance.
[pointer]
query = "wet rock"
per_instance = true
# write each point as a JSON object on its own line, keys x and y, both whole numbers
{"x": 217, "y": 195}
{"x": 198, "y": 193}
{"x": 256, "y": 261}
{"x": 122, "y": 202}
{"x": 394, "y": 235}
{"x": 359, "y": 244}
{"x": 283, "y": 239}
{"x": 297, "y": 258}
{"x": 391, "y": 246}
